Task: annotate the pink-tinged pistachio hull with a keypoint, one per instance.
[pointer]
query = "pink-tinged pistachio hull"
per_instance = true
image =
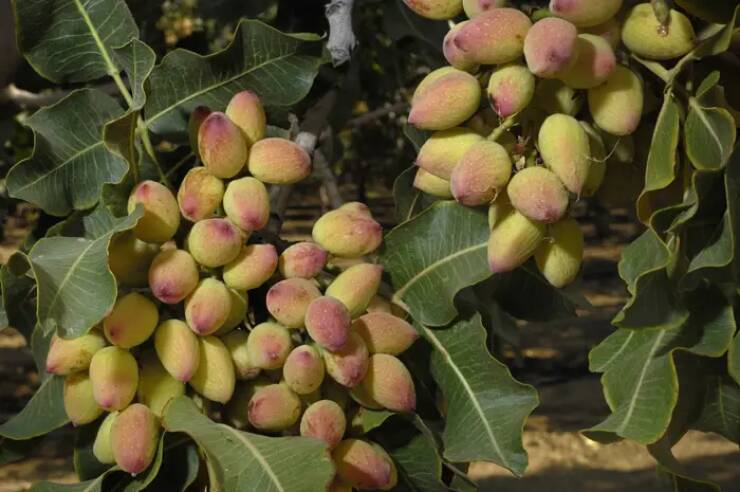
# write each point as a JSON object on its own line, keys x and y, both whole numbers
{"x": 642, "y": 34}
{"x": 616, "y": 105}
{"x": 129, "y": 259}
{"x": 477, "y": 7}
{"x": 610, "y": 30}
{"x": 236, "y": 343}
{"x": 443, "y": 150}
{"x": 364, "y": 465}
{"x": 302, "y": 260}
{"x": 348, "y": 365}
{"x": 385, "y": 333}
{"x": 481, "y": 174}
{"x": 356, "y": 286}
{"x": 237, "y": 313}
{"x": 177, "y": 348}
{"x": 513, "y": 241}
{"x": 559, "y": 259}
{"x": 173, "y": 275}
{"x": 75, "y": 354}
{"x": 247, "y": 204}
{"x": 452, "y": 53}
{"x": 214, "y": 242}
{"x": 114, "y": 375}
{"x": 389, "y": 383}
{"x": 550, "y": 47}
{"x": 447, "y": 100}
{"x": 594, "y": 64}
{"x": 102, "y": 448}
{"x": 324, "y": 420}
{"x": 288, "y": 300}
{"x": 585, "y": 13}
{"x": 565, "y": 148}
{"x": 215, "y": 378}
{"x": 510, "y": 89}
{"x": 156, "y": 387}
{"x": 161, "y": 214}
{"x": 269, "y": 345}
{"x": 252, "y": 267}
{"x": 207, "y": 307}
{"x": 328, "y": 322}
{"x": 246, "y": 111}
{"x": 347, "y": 232}
{"x": 360, "y": 395}
{"x": 197, "y": 117}
{"x": 222, "y": 147}
{"x": 435, "y": 9}
{"x": 553, "y": 96}
{"x": 279, "y": 161}
{"x": 134, "y": 437}
{"x": 237, "y": 410}
{"x": 304, "y": 370}
{"x": 494, "y": 37}
{"x": 537, "y": 193}
{"x": 431, "y": 184}
{"x": 132, "y": 321}
{"x": 274, "y": 408}
{"x": 200, "y": 194}
{"x": 79, "y": 399}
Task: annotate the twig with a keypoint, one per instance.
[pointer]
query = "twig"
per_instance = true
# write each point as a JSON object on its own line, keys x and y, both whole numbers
{"x": 32, "y": 100}
{"x": 376, "y": 114}
{"x": 321, "y": 166}
{"x": 341, "y": 37}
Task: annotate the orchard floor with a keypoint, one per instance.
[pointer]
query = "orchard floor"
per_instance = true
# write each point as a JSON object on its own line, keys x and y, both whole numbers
{"x": 554, "y": 361}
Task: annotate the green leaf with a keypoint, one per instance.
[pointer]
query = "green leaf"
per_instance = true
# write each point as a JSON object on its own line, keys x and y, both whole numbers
{"x": 733, "y": 359}
{"x": 86, "y": 464}
{"x": 95, "y": 485}
{"x": 73, "y": 40}
{"x": 365, "y": 420}
{"x": 70, "y": 161}
{"x": 279, "y": 67}
{"x": 180, "y": 466}
{"x": 250, "y": 462}
{"x": 19, "y": 301}
{"x": 409, "y": 200}
{"x": 137, "y": 60}
{"x": 43, "y": 413}
{"x": 721, "y": 409}
{"x": 434, "y": 255}
{"x": 486, "y": 407}
{"x": 401, "y": 22}
{"x": 12, "y": 451}
{"x": 709, "y": 136}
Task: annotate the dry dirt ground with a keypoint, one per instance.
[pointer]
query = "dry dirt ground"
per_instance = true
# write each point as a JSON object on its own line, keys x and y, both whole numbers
{"x": 555, "y": 362}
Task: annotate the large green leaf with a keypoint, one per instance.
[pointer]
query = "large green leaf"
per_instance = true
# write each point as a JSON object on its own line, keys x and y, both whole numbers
{"x": 19, "y": 301}
{"x": 709, "y": 136}
{"x": 721, "y": 409}
{"x": 43, "y": 413}
{"x": 137, "y": 60}
{"x": 249, "y": 462}
{"x": 733, "y": 359}
{"x": 434, "y": 255}
{"x": 409, "y": 200}
{"x": 73, "y": 40}
{"x": 486, "y": 407}
{"x": 279, "y": 67}
{"x": 70, "y": 162}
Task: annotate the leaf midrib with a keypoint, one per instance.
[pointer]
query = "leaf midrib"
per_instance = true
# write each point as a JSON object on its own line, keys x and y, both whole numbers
{"x": 258, "y": 456}
{"x": 699, "y": 111}
{"x": 56, "y": 169}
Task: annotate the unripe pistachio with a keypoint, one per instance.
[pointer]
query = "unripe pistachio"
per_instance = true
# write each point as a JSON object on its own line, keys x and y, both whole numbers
{"x": 279, "y": 161}
{"x": 200, "y": 194}
{"x": 247, "y": 204}
{"x": 114, "y": 375}
{"x": 537, "y": 193}
{"x": 197, "y": 117}
{"x": 348, "y": 365}
{"x": 132, "y": 321}
{"x": 324, "y": 420}
{"x": 208, "y": 306}
{"x": 161, "y": 214}
{"x": 102, "y": 448}
{"x": 214, "y": 242}
{"x": 288, "y": 300}
{"x": 443, "y": 150}
{"x": 177, "y": 349}
{"x": 431, "y": 184}
{"x": 347, "y": 233}
{"x": 268, "y": 345}
{"x": 328, "y": 322}
{"x": 585, "y": 13}
{"x": 129, "y": 258}
{"x": 68, "y": 356}
{"x": 645, "y": 36}
{"x": 494, "y": 37}
{"x": 435, "y": 9}
{"x": 364, "y": 465}
{"x": 553, "y": 96}
{"x": 550, "y": 47}
{"x": 389, "y": 383}
{"x": 610, "y": 30}
{"x": 302, "y": 260}
{"x": 597, "y": 169}
{"x": 237, "y": 410}
{"x": 236, "y": 343}
{"x": 559, "y": 258}
{"x": 380, "y": 304}
{"x": 359, "y": 394}
{"x": 452, "y": 53}
{"x": 616, "y": 105}
{"x": 173, "y": 275}
{"x": 246, "y": 111}
{"x": 304, "y": 370}
{"x": 513, "y": 240}
{"x": 594, "y": 64}
{"x": 222, "y": 146}
{"x": 445, "y": 98}
{"x": 79, "y": 399}
{"x": 356, "y": 286}
{"x": 500, "y": 208}
{"x": 134, "y": 436}
{"x": 252, "y": 267}
{"x": 475, "y": 7}
{"x": 564, "y": 147}
{"x": 215, "y": 377}
{"x": 510, "y": 89}
{"x": 274, "y": 408}
{"x": 385, "y": 333}
{"x": 481, "y": 174}
{"x": 237, "y": 313}
{"x": 156, "y": 387}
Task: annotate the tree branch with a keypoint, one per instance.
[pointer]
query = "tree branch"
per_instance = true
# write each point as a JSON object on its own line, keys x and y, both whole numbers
{"x": 376, "y": 114}
{"x": 341, "y": 37}
{"x": 32, "y": 100}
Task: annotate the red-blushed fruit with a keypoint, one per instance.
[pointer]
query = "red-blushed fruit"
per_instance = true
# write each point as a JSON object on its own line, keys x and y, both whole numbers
{"x": 177, "y": 348}
{"x": 385, "y": 333}
{"x": 435, "y": 9}
{"x": 348, "y": 365}
{"x": 215, "y": 378}
{"x": 236, "y": 343}
{"x": 156, "y": 387}
{"x": 324, "y": 420}
{"x": 327, "y": 322}
{"x": 481, "y": 174}
{"x": 161, "y": 216}
{"x": 288, "y": 300}
{"x": 274, "y": 408}
{"x": 510, "y": 89}
{"x": 222, "y": 146}
{"x": 246, "y": 111}
{"x": 304, "y": 370}
{"x": 348, "y": 232}
{"x": 131, "y": 321}
{"x": 247, "y": 204}
{"x": 550, "y": 47}
{"x": 443, "y": 150}
{"x": 197, "y": 117}
{"x": 214, "y": 242}
{"x": 452, "y": 53}
{"x": 364, "y": 465}
{"x": 268, "y": 345}
{"x": 237, "y": 410}
{"x": 302, "y": 260}
{"x": 476, "y": 7}
{"x": 79, "y": 399}
{"x": 360, "y": 395}
{"x": 446, "y": 98}
{"x": 173, "y": 275}
{"x": 134, "y": 436}
{"x": 208, "y": 306}
{"x": 595, "y": 62}
{"x": 585, "y": 13}
{"x": 71, "y": 355}
{"x": 200, "y": 194}
{"x": 114, "y": 375}
{"x": 559, "y": 258}
{"x": 610, "y": 30}
{"x": 129, "y": 259}
{"x": 537, "y": 193}
{"x": 513, "y": 240}
{"x": 252, "y": 267}
{"x": 494, "y": 37}
{"x": 356, "y": 286}
{"x": 389, "y": 383}
{"x": 278, "y": 161}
